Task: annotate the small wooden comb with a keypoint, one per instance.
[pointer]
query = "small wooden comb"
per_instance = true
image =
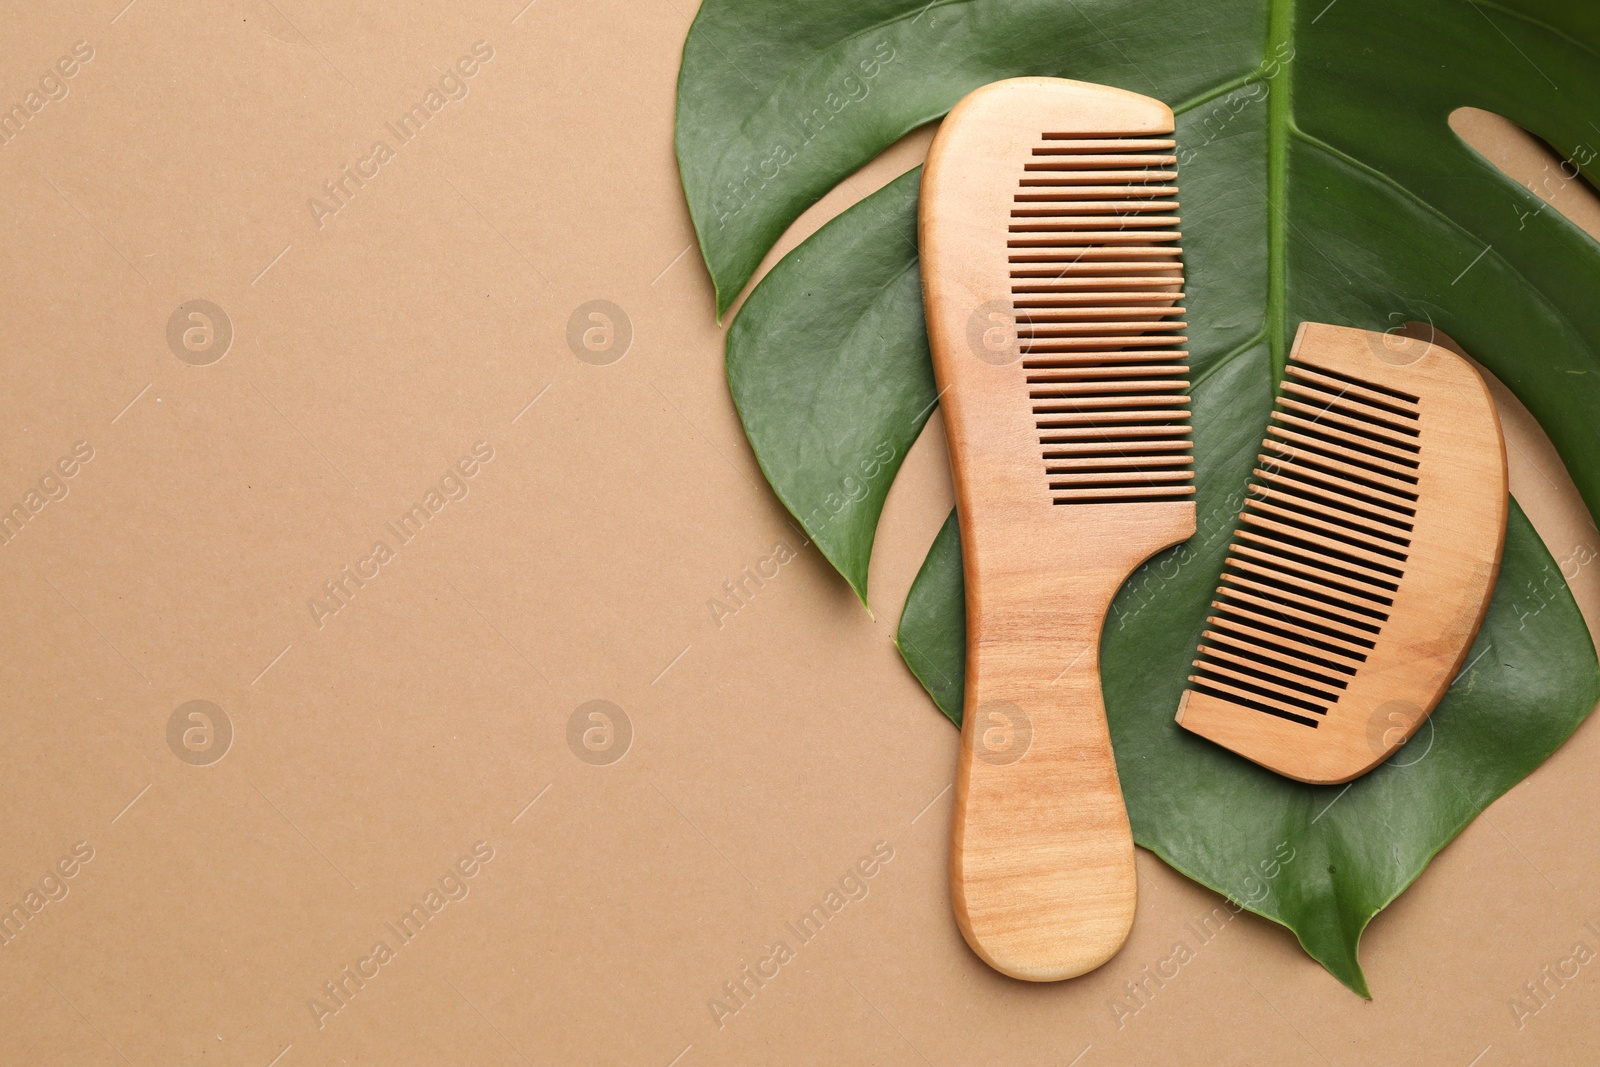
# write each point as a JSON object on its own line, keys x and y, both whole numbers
{"x": 1052, "y": 278}
{"x": 1364, "y": 559}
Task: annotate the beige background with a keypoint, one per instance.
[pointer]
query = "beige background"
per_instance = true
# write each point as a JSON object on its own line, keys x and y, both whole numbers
{"x": 372, "y": 752}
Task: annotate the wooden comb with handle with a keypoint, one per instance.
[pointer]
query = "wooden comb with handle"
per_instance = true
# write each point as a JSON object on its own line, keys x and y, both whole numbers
{"x": 1364, "y": 560}
{"x": 1052, "y": 280}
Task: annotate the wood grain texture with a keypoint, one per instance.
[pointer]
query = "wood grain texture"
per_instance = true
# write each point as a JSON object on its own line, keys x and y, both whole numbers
{"x": 1052, "y": 280}
{"x": 1364, "y": 561}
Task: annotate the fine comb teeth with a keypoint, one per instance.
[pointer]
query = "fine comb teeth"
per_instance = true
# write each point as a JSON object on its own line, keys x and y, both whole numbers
{"x": 1052, "y": 281}
{"x": 1095, "y": 284}
{"x": 1364, "y": 559}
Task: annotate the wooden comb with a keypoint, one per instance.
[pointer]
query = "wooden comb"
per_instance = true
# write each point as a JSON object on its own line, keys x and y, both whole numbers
{"x": 1364, "y": 559}
{"x": 1052, "y": 279}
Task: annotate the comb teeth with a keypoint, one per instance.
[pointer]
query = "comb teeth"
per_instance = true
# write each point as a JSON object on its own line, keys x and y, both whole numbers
{"x": 1321, "y": 548}
{"x": 1096, "y": 282}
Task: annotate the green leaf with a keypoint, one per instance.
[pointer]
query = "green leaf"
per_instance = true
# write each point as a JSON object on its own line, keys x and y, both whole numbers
{"x": 1319, "y": 132}
{"x": 932, "y": 636}
{"x": 1321, "y": 182}
{"x": 829, "y": 369}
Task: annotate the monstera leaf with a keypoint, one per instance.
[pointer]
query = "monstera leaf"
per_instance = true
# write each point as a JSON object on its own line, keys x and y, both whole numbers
{"x": 1320, "y": 181}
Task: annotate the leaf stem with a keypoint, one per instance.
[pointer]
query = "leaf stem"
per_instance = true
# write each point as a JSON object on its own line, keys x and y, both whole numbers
{"x": 1279, "y": 51}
